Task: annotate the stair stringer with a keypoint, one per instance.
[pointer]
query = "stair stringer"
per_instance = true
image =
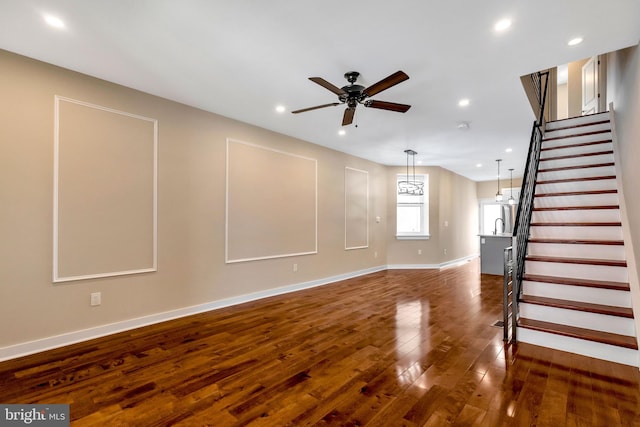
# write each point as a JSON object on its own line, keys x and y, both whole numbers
{"x": 632, "y": 270}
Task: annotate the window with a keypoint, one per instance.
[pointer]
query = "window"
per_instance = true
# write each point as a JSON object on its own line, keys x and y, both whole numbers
{"x": 490, "y": 211}
{"x": 412, "y": 208}
{"x": 497, "y": 217}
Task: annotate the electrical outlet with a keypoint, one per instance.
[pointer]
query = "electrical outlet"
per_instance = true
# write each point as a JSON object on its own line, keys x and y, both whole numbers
{"x": 96, "y": 298}
{"x": 375, "y": 254}
{"x": 419, "y": 251}
{"x": 295, "y": 267}
{"x": 445, "y": 251}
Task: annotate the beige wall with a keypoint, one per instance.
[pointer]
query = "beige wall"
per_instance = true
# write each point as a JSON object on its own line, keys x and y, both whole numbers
{"x": 624, "y": 92}
{"x": 191, "y": 213}
{"x": 574, "y": 88}
{"x": 191, "y": 210}
{"x": 562, "y": 111}
{"x": 488, "y": 189}
{"x": 453, "y": 220}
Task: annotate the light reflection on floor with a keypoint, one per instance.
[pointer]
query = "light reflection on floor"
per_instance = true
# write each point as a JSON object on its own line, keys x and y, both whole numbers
{"x": 412, "y": 332}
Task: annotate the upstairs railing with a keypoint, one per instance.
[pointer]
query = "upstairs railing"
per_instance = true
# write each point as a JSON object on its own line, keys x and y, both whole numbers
{"x": 525, "y": 206}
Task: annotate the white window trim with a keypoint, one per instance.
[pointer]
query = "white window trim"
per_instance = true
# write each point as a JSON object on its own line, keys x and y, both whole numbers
{"x": 416, "y": 237}
{"x": 425, "y": 211}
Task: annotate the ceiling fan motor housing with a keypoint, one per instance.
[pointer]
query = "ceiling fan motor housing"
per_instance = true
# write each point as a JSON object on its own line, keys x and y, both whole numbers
{"x": 354, "y": 94}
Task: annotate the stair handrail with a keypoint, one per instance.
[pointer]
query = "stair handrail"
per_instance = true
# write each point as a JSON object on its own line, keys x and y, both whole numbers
{"x": 522, "y": 222}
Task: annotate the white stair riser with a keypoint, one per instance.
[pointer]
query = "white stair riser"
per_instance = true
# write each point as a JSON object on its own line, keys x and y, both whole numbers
{"x": 612, "y": 252}
{"x": 577, "y": 121}
{"x": 606, "y": 199}
{"x": 595, "y": 185}
{"x": 579, "y": 319}
{"x": 567, "y": 232}
{"x": 566, "y": 150}
{"x": 596, "y": 350}
{"x": 578, "y": 139}
{"x": 577, "y": 271}
{"x": 575, "y": 161}
{"x": 577, "y": 293}
{"x": 554, "y": 133}
{"x": 577, "y": 173}
{"x": 581, "y": 215}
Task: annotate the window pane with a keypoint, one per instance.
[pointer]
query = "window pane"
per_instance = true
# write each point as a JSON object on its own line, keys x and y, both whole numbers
{"x": 409, "y": 219}
{"x": 491, "y": 211}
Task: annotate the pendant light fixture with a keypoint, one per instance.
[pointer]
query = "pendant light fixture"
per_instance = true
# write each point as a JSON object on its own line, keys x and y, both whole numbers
{"x": 408, "y": 186}
{"x": 512, "y": 201}
{"x": 499, "y": 193}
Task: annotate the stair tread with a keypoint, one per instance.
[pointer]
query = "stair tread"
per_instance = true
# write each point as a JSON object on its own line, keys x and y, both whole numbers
{"x": 609, "y": 310}
{"x": 573, "y": 135}
{"x": 594, "y": 165}
{"x": 576, "y": 193}
{"x": 584, "y": 261}
{"x": 577, "y": 155}
{"x": 580, "y": 333}
{"x": 565, "y": 180}
{"x": 577, "y": 208}
{"x": 578, "y": 241}
{"x": 576, "y": 145}
{"x": 576, "y": 224}
{"x": 602, "y": 284}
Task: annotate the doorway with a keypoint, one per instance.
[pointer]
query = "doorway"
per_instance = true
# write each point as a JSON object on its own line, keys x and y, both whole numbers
{"x": 581, "y": 87}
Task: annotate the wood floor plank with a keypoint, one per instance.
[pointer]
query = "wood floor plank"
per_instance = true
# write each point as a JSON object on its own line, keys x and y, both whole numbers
{"x": 399, "y": 347}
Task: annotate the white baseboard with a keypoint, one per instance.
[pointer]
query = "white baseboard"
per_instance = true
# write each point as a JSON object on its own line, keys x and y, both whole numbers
{"x": 48, "y": 343}
{"x": 445, "y": 264}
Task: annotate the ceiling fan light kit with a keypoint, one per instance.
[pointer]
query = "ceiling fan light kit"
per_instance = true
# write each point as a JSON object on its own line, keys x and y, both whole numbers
{"x": 354, "y": 94}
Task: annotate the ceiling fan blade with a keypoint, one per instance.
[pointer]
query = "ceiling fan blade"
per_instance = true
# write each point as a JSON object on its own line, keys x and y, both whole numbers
{"x": 347, "y": 119}
{"x": 386, "y": 83}
{"x": 391, "y": 106}
{"x": 333, "y": 104}
{"x": 325, "y": 84}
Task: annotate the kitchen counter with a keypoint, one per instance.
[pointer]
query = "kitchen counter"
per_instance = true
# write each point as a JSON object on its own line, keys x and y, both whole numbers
{"x": 492, "y": 252}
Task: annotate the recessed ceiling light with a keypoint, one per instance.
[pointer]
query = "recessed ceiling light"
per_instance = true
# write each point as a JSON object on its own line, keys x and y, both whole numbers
{"x": 478, "y": 165}
{"x": 502, "y": 25}
{"x": 508, "y": 150}
{"x": 463, "y": 102}
{"x": 342, "y": 132}
{"x": 575, "y": 41}
{"x": 54, "y": 21}
{"x": 280, "y": 108}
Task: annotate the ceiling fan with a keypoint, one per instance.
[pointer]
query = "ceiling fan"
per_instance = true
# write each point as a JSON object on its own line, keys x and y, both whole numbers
{"x": 354, "y": 94}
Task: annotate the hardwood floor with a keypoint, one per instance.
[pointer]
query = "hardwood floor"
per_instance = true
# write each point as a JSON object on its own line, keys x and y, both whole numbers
{"x": 394, "y": 348}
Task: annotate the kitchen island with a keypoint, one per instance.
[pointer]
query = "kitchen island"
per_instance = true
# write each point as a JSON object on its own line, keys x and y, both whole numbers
{"x": 492, "y": 252}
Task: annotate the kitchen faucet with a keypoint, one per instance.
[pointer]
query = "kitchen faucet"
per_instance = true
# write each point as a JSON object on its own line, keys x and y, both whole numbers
{"x": 495, "y": 225}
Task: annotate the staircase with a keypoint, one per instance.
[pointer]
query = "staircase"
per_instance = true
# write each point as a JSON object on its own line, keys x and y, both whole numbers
{"x": 575, "y": 291}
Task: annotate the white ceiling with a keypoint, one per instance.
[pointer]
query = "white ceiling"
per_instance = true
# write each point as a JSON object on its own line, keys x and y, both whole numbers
{"x": 241, "y": 58}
